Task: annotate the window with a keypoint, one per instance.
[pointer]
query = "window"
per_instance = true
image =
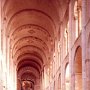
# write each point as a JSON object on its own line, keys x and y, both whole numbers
{"x": 77, "y": 17}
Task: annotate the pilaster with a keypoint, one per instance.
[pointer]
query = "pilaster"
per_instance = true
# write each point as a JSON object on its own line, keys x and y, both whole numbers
{"x": 84, "y": 2}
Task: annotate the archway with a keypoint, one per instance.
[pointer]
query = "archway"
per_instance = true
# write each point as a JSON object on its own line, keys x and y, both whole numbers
{"x": 88, "y": 46}
{"x": 77, "y": 17}
{"x": 67, "y": 78}
{"x": 78, "y": 69}
{"x": 27, "y": 85}
{"x": 59, "y": 82}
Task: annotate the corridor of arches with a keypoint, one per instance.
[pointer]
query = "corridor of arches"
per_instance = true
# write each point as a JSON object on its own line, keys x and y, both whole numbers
{"x": 44, "y": 45}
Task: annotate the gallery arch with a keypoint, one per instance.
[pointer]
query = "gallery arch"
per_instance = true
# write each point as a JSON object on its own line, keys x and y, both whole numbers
{"x": 59, "y": 82}
{"x": 67, "y": 77}
{"x": 78, "y": 68}
{"x": 88, "y": 46}
{"x": 77, "y": 16}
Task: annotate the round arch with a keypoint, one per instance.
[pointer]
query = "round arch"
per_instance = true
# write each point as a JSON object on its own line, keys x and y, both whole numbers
{"x": 78, "y": 68}
{"x": 59, "y": 82}
{"x": 67, "y": 77}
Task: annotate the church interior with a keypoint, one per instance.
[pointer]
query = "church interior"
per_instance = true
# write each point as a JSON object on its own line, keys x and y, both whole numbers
{"x": 44, "y": 44}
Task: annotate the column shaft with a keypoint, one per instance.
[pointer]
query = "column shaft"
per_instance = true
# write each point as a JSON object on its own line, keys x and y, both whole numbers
{"x": 83, "y": 44}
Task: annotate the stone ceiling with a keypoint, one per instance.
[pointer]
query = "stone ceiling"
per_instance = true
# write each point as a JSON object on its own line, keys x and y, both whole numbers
{"x": 31, "y": 26}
